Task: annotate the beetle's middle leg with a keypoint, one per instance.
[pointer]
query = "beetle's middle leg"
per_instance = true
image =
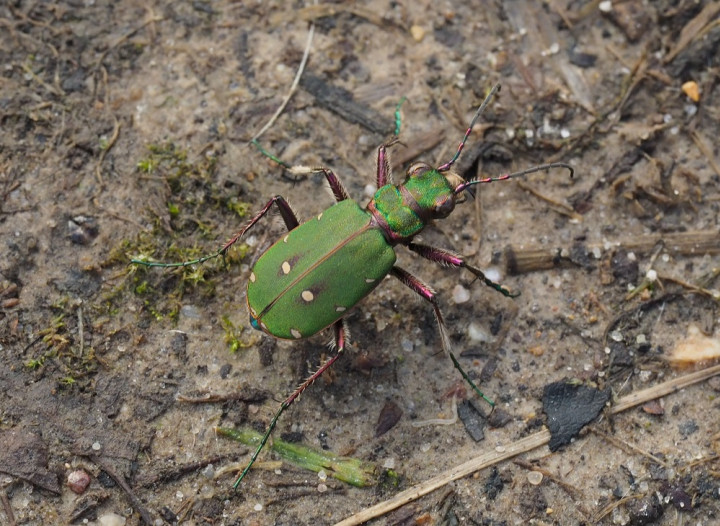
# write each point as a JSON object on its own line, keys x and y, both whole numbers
{"x": 289, "y": 217}
{"x": 424, "y": 290}
{"x": 340, "y": 344}
{"x": 453, "y": 259}
{"x": 287, "y": 214}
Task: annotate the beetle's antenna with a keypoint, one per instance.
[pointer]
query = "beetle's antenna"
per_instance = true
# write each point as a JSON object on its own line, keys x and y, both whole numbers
{"x": 464, "y": 186}
{"x": 270, "y": 156}
{"x": 398, "y": 116}
{"x": 445, "y": 167}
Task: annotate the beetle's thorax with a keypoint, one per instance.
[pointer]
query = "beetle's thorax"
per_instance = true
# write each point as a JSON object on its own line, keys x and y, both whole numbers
{"x": 402, "y": 211}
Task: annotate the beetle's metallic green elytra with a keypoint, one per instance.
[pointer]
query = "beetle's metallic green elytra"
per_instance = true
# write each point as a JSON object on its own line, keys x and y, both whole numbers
{"x": 318, "y": 271}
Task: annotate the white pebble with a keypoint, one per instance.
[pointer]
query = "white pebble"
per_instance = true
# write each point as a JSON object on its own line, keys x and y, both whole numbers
{"x": 111, "y": 519}
{"x": 534, "y": 478}
{"x": 460, "y": 294}
{"x": 477, "y": 333}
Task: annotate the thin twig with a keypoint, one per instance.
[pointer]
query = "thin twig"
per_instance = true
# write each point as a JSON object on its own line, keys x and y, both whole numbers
{"x": 137, "y": 504}
{"x": 108, "y": 146}
{"x": 625, "y": 445}
{"x": 560, "y": 208}
{"x": 514, "y": 449}
{"x": 702, "y": 146}
{"x": 293, "y": 88}
{"x": 81, "y": 329}
{"x": 8, "y": 509}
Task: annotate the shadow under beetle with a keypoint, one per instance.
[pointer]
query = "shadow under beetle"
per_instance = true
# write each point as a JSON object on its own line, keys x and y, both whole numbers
{"x": 320, "y": 269}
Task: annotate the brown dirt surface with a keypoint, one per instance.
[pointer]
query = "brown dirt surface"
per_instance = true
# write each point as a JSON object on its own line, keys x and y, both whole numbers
{"x": 125, "y": 129}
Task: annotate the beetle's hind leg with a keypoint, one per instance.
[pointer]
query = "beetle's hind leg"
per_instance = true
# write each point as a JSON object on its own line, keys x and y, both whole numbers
{"x": 453, "y": 259}
{"x": 340, "y": 344}
{"x": 424, "y": 290}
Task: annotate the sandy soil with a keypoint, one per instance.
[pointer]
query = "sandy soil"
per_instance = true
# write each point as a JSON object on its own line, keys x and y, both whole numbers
{"x": 125, "y": 129}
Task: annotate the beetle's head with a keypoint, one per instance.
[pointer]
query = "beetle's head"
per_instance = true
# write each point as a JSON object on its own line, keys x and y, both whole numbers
{"x": 433, "y": 190}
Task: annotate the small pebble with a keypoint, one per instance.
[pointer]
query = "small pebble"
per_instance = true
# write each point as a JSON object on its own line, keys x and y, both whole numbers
{"x": 78, "y": 481}
{"x": 478, "y": 333}
{"x": 460, "y": 294}
{"x": 258, "y": 507}
{"x": 111, "y": 519}
{"x": 691, "y": 89}
{"x": 190, "y": 311}
{"x": 96, "y": 446}
{"x": 417, "y": 32}
{"x": 535, "y": 478}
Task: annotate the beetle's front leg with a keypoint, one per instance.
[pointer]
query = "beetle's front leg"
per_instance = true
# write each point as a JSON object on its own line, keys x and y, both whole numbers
{"x": 337, "y": 188}
{"x": 384, "y": 171}
{"x": 424, "y": 290}
{"x": 340, "y": 344}
{"x": 453, "y": 259}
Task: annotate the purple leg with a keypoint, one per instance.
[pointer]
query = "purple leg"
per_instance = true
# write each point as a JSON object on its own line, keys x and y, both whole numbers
{"x": 291, "y": 221}
{"x": 289, "y": 217}
{"x": 447, "y": 257}
{"x": 336, "y": 186}
{"x": 426, "y": 292}
{"x": 384, "y": 173}
{"x": 339, "y": 330}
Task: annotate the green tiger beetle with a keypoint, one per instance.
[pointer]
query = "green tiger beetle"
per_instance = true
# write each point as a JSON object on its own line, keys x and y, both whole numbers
{"x": 309, "y": 279}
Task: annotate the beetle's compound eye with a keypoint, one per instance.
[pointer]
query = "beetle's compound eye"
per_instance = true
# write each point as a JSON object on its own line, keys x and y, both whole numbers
{"x": 444, "y": 205}
{"x": 417, "y": 169}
